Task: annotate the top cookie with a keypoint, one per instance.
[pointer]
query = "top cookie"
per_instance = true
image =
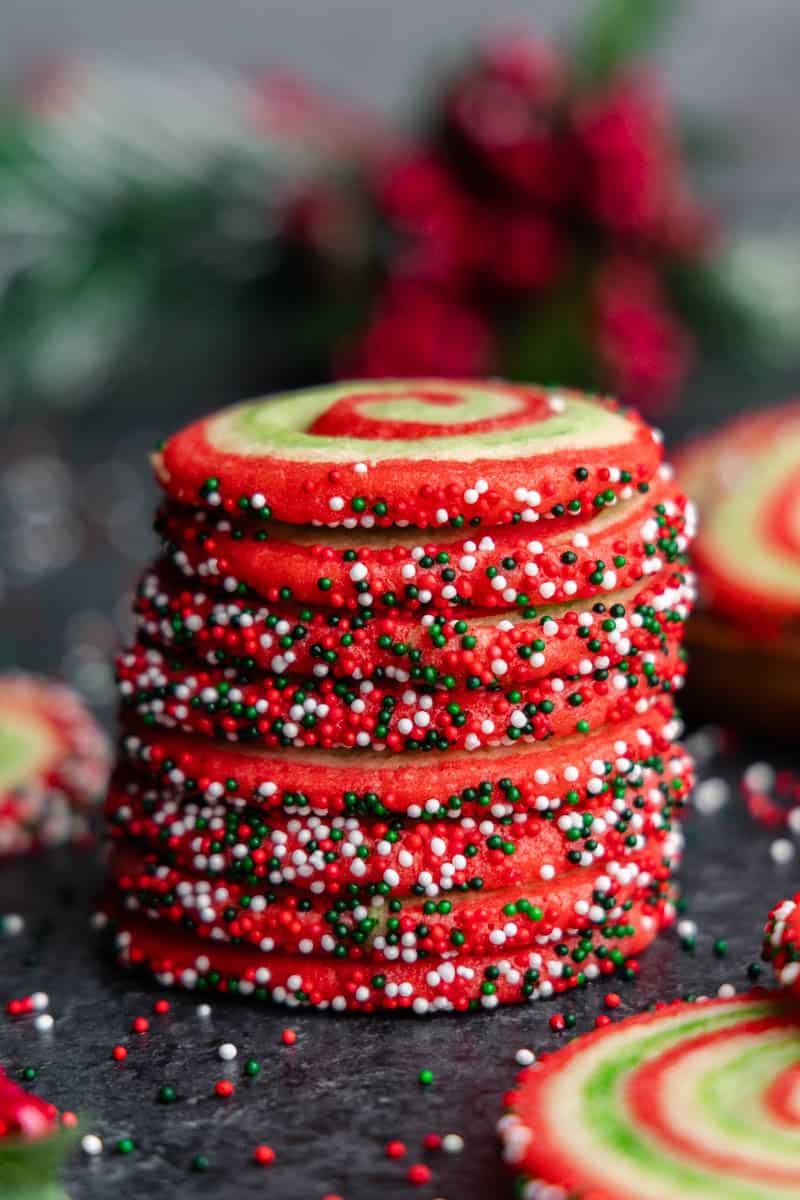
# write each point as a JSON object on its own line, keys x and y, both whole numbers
{"x": 411, "y": 452}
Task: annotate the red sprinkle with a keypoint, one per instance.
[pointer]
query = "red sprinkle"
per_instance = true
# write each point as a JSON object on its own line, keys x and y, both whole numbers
{"x": 288, "y": 1037}
{"x": 69, "y": 1119}
{"x": 161, "y": 1007}
{"x": 612, "y": 1000}
{"x": 224, "y": 1087}
{"x": 602, "y": 1019}
{"x": 16, "y": 1008}
{"x": 395, "y": 1149}
{"x": 141, "y": 1025}
{"x": 557, "y": 1023}
{"x": 119, "y": 1053}
{"x": 264, "y": 1155}
{"x": 432, "y": 1141}
{"x": 419, "y": 1173}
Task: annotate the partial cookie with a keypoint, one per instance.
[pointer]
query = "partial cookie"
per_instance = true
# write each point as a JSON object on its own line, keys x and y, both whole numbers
{"x": 690, "y": 1100}
{"x": 747, "y": 481}
{"x": 745, "y": 638}
{"x": 53, "y": 763}
{"x": 414, "y": 452}
{"x": 782, "y": 943}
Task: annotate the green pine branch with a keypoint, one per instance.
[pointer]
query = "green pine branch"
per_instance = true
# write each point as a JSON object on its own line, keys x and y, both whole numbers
{"x": 30, "y": 1168}
{"x": 614, "y": 32}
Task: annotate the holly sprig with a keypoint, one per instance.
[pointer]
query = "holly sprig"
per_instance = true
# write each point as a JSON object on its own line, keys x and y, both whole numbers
{"x": 30, "y": 1168}
{"x": 614, "y": 32}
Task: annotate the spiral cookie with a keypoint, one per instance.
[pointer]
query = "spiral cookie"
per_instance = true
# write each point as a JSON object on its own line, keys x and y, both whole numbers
{"x": 688, "y": 1100}
{"x": 746, "y": 479}
{"x": 414, "y": 452}
{"x": 399, "y": 727}
{"x": 53, "y": 763}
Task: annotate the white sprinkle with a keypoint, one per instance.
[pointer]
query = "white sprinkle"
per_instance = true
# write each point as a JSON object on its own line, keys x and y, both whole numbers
{"x": 525, "y": 1057}
{"x": 91, "y": 1144}
{"x": 227, "y": 1052}
{"x": 452, "y": 1143}
{"x": 760, "y": 776}
{"x": 43, "y": 1023}
{"x": 203, "y": 1011}
{"x": 782, "y": 851}
{"x": 711, "y": 795}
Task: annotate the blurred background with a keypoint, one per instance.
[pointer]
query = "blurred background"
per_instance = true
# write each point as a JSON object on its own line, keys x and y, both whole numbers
{"x": 202, "y": 201}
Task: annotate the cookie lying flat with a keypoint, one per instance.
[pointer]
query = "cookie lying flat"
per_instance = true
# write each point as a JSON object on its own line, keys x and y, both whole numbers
{"x": 422, "y": 453}
{"x": 505, "y": 568}
{"x": 53, "y": 763}
{"x": 746, "y": 480}
{"x": 690, "y": 1100}
{"x": 427, "y": 986}
{"x": 748, "y": 548}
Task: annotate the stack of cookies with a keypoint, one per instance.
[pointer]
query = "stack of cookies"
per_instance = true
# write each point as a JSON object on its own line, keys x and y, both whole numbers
{"x": 398, "y": 723}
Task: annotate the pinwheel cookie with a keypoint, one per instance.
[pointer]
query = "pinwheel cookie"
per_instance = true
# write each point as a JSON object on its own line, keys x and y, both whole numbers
{"x": 688, "y": 1100}
{"x": 53, "y": 763}
{"x": 745, "y": 639}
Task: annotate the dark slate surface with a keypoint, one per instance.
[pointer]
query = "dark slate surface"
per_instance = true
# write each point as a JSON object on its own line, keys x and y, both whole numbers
{"x": 328, "y": 1104}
